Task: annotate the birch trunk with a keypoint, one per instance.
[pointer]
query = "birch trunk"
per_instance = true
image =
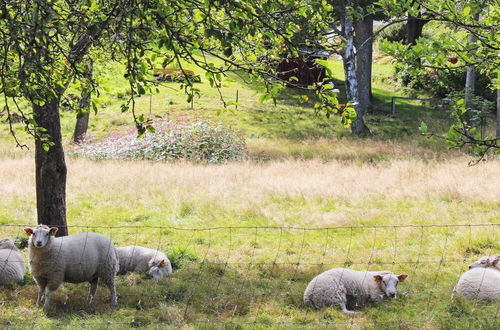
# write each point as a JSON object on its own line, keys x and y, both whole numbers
{"x": 358, "y": 127}
{"x": 470, "y": 78}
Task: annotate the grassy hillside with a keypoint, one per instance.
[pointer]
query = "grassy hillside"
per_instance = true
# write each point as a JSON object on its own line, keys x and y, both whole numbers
{"x": 288, "y": 128}
{"x": 247, "y": 237}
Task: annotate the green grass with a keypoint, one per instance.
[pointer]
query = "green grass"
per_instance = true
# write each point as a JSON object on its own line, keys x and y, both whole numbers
{"x": 255, "y": 277}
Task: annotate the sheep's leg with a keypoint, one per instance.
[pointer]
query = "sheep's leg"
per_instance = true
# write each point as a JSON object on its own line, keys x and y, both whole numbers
{"x": 49, "y": 291}
{"x": 112, "y": 290}
{"x": 48, "y": 294}
{"x": 110, "y": 283}
{"x": 92, "y": 290}
{"x": 40, "y": 296}
{"x": 345, "y": 310}
{"x": 41, "y": 290}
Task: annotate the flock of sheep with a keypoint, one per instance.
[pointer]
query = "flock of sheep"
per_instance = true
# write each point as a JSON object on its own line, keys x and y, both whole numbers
{"x": 91, "y": 257}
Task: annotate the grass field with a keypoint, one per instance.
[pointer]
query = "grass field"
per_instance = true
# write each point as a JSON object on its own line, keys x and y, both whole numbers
{"x": 247, "y": 237}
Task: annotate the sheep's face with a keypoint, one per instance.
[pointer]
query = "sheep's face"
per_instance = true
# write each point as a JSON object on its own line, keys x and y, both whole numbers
{"x": 483, "y": 263}
{"x": 40, "y": 235}
{"x": 389, "y": 283}
{"x": 495, "y": 262}
{"x": 6, "y": 243}
{"x": 158, "y": 269}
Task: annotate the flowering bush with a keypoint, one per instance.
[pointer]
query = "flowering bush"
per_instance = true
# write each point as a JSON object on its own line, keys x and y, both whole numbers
{"x": 195, "y": 140}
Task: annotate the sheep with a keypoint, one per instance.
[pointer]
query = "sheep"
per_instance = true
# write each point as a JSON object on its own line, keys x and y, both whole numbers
{"x": 140, "y": 259}
{"x": 485, "y": 262}
{"x": 351, "y": 288}
{"x": 482, "y": 284}
{"x": 84, "y": 257}
{"x": 12, "y": 266}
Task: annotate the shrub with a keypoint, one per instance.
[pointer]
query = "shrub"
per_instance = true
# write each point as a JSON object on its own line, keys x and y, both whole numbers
{"x": 196, "y": 140}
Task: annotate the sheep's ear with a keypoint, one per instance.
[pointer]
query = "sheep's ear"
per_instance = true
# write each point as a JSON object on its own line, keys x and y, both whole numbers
{"x": 53, "y": 231}
{"x": 377, "y": 278}
{"x": 402, "y": 277}
{"x": 28, "y": 231}
{"x": 162, "y": 263}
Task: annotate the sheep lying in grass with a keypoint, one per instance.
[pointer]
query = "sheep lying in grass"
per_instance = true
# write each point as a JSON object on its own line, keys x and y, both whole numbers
{"x": 349, "y": 288}
{"x": 479, "y": 283}
{"x": 140, "y": 259}
{"x": 12, "y": 266}
{"x": 485, "y": 262}
{"x": 85, "y": 257}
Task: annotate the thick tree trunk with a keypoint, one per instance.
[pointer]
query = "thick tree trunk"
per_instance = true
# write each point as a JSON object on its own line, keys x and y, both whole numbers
{"x": 50, "y": 168}
{"x": 364, "y": 48}
{"x": 358, "y": 127}
{"x": 82, "y": 119}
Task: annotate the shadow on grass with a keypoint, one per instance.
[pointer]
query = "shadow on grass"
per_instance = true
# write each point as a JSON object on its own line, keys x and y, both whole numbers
{"x": 216, "y": 294}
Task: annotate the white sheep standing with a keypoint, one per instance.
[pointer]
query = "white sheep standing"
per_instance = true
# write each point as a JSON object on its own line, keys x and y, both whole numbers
{"x": 140, "y": 259}
{"x": 12, "y": 266}
{"x": 479, "y": 283}
{"x": 351, "y": 288}
{"x": 485, "y": 262}
{"x": 85, "y": 257}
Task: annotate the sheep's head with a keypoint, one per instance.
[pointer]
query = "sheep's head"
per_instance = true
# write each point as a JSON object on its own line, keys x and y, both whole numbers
{"x": 389, "y": 283}
{"x": 484, "y": 262}
{"x": 7, "y": 243}
{"x": 40, "y": 235}
{"x": 158, "y": 269}
{"x": 495, "y": 262}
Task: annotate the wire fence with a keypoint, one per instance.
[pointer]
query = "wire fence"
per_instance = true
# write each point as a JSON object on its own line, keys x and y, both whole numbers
{"x": 251, "y": 276}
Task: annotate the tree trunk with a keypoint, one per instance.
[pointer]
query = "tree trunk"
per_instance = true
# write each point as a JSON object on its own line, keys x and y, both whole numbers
{"x": 50, "y": 168}
{"x": 470, "y": 78}
{"x": 498, "y": 113}
{"x": 364, "y": 48}
{"x": 414, "y": 28}
{"x": 358, "y": 127}
{"x": 82, "y": 119}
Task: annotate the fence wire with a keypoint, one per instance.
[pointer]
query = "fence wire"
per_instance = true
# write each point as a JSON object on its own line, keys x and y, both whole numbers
{"x": 255, "y": 276}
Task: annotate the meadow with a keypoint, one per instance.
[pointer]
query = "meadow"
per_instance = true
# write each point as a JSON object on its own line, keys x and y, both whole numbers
{"x": 245, "y": 238}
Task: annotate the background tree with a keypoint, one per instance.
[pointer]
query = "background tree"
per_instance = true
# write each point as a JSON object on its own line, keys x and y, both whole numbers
{"x": 83, "y": 107}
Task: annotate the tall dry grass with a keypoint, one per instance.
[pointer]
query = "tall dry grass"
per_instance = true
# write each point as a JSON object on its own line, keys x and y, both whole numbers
{"x": 250, "y": 186}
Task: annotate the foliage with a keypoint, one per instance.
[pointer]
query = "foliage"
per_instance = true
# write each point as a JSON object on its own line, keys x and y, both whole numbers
{"x": 438, "y": 82}
{"x": 195, "y": 140}
{"x": 452, "y": 51}
{"x": 467, "y": 129}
